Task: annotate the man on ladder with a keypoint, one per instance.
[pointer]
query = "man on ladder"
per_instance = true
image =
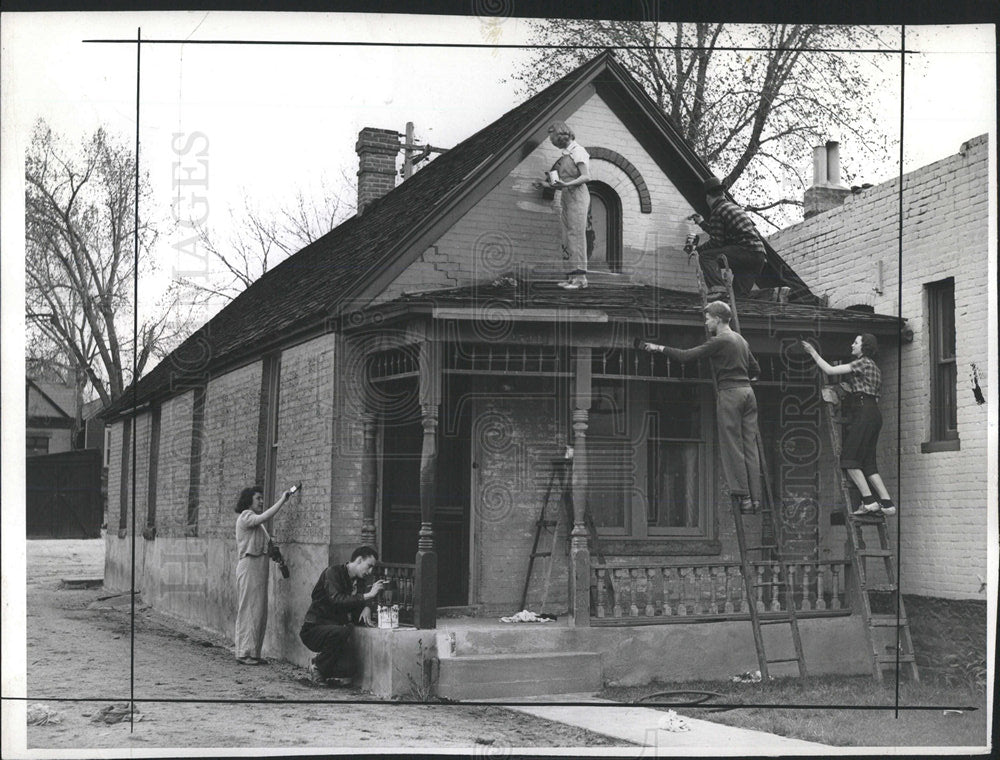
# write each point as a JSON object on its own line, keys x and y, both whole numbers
{"x": 734, "y": 366}
{"x": 732, "y": 234}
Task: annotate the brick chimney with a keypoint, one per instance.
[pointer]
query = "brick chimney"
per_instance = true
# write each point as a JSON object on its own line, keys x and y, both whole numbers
{"x": 377, "y": 150}
{"x": 827, "y": 191}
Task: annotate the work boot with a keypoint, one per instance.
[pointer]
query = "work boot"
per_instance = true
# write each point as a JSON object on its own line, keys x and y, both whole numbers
{"x": 574, "y": 283}
{"x": 871, "y": 508}
{"x": 717, "y": 294}
{"x": 315, "y": 677}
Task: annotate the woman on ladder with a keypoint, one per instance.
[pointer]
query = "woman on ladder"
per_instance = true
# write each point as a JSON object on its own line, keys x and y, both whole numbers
{"x": 864, "y": 422}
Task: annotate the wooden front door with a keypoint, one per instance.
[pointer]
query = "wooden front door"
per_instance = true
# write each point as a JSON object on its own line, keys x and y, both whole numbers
{"x": 402, "y": 442}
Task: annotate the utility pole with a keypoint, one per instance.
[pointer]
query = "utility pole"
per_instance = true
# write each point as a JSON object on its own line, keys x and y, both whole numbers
{"x": 410, "y": 155}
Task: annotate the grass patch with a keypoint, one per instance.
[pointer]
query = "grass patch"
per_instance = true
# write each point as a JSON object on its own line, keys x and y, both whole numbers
{"x": 839, "y": 727}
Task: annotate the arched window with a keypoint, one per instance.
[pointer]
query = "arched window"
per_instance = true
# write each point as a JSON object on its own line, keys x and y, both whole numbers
{"x": 606, "y": 222}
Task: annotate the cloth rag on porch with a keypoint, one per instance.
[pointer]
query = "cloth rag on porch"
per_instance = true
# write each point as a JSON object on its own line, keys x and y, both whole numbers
{"x": 525, "y": 616}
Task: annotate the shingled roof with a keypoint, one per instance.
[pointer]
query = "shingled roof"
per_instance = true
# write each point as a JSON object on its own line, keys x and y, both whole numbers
{"x": 635, "y": 303}
{"x": 343, "y": 270}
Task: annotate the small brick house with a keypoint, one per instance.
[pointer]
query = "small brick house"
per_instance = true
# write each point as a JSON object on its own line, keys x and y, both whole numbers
{"x": 418, "y": 369}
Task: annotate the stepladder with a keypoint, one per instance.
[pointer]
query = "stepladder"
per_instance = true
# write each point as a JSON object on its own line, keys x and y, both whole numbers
{"x": 766, "y": 569}
{"x": 550, "y": 518}
{"x": 875, "y": 581}
{"x": 555, "y": 520}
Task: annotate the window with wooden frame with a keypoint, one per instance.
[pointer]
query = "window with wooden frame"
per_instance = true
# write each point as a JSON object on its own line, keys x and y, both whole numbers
{"x": 154, "y": 463}
{"x": 648, "y": 459}
{"x": 604, "y": 228}
{"x": 197, "y": 443}
{"x": 267, "y": 435}
{"x": 940, "y": 300}
{"x": 37, "y": 444}
{"x": 126, "y": 462}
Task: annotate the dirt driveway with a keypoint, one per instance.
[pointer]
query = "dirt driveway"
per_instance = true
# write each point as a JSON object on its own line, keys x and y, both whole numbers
{"x": 78, "y": 649}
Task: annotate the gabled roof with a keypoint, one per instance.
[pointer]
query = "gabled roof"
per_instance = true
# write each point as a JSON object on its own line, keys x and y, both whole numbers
{"x": 54, "y": 389}
{"x": 342, "y": 271}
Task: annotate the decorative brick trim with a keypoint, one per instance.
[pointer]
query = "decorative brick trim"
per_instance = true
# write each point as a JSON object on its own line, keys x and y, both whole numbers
{"x": 613, "y": 157}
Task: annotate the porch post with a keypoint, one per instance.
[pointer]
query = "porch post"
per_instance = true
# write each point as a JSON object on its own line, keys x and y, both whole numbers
{"x": 425, "y": 602}
{"x": 579, "y": 576}
{"x": 369, "y": 423}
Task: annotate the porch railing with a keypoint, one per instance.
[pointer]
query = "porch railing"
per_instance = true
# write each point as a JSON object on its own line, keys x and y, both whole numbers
{"x": 637, "y": 594}
{"x": 403, "y": 574}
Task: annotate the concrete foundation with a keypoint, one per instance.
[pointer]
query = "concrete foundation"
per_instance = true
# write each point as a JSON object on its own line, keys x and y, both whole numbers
{"x": 193, "y": 578}
{"x": 629, "y": 655}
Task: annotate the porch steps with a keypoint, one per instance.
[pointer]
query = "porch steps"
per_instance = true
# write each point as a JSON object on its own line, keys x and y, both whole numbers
{"x": 496, "y": 676}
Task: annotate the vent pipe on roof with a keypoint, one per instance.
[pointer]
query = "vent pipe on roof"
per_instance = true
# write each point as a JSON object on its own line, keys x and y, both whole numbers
{"x": 827, "y": 192}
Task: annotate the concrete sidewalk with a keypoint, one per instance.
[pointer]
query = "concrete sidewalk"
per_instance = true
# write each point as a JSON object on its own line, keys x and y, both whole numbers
{"x": 645, "y": 726}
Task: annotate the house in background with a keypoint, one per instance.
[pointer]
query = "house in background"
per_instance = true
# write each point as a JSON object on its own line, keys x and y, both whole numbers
{"x": 421, "y": 373}
{"x": 51, "y": 416}
{"x": 66, "y": 471}
{"x": 929, "y": 264}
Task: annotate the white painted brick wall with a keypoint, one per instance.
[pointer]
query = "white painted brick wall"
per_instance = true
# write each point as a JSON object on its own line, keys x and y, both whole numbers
{"x": 945, "y": 231}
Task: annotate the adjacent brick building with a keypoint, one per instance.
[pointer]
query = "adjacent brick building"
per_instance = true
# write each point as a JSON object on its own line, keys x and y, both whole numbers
{"x": 923, "y": 253}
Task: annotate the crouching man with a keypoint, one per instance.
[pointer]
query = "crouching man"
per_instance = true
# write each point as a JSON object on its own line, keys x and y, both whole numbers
{"x": 338, "y": 603}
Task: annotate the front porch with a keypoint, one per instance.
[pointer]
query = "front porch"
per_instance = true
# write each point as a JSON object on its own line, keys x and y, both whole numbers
{"x": 668, "y": 592}
{"x": 471, "y": 395}
{"x": 473, "y": 658}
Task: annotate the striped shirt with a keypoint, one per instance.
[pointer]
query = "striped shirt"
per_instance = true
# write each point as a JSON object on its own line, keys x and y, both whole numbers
{"x": 730, "y": 225}
{"x": 865, "y": 377}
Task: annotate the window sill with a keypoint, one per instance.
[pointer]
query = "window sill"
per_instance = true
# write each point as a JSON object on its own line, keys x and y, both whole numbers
{"x": 659, "y": 545}
{"x": 932, "y": 446}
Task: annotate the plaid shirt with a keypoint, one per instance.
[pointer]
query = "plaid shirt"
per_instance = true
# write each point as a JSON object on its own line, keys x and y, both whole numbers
{"x": 865, "y": 377}
{"x": 730, "y": 225}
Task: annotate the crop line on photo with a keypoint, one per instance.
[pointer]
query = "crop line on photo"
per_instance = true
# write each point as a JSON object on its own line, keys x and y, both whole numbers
{"x": 505, "y": 703}
{"x": 491, "y": 46}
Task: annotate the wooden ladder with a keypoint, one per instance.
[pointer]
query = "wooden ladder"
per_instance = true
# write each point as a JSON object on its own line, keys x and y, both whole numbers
{"x": 769, "y": 528}
{"x": 900, "y": 644}
{"x": 558, "y": 476}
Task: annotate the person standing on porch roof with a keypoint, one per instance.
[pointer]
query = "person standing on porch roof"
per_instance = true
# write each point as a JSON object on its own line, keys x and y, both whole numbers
{"x": 570, "y": 174}
{"x": 734, "y": 366}
{"x": 733, "y": 234}
{"x": 864, "y": 422}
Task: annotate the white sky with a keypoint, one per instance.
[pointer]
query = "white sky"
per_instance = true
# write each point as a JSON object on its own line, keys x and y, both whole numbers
{"x": 279, "y": 118}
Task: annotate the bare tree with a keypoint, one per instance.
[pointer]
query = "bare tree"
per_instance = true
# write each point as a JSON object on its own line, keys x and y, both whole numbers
{"x": 257, "y": 240}
{"x": 752, "y": 113}
{"x": 80, "y": 263}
